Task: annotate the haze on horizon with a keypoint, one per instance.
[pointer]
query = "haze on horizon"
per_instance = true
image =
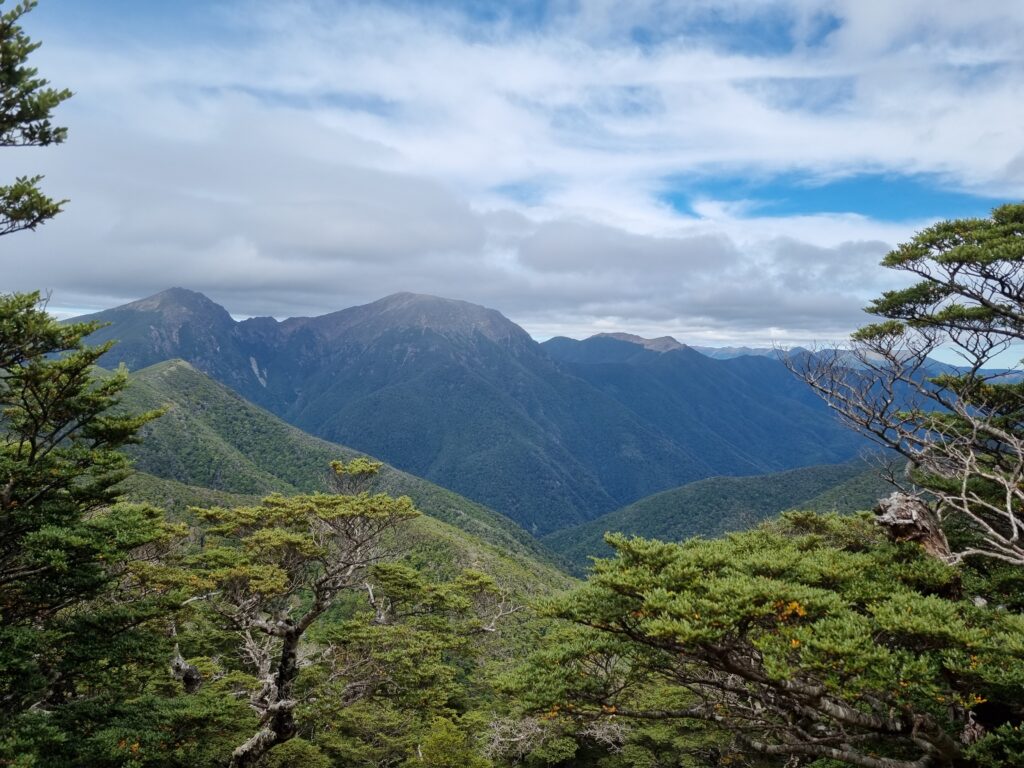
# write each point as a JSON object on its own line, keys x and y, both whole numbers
{"x": 719, "y": 171}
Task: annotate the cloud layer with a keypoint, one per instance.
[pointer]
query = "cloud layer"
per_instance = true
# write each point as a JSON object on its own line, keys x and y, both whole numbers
{"x": 580, "y": 167}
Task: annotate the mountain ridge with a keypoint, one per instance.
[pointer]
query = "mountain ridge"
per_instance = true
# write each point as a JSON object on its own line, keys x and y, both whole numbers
{"x": 462, "y": 396}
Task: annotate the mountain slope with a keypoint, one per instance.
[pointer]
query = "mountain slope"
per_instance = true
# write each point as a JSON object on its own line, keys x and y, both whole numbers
{"x": 211, "y": 438}
{"x": 716, "y": 505}
{"x": 443, "y": 389}
{"x": 460, "y": 395}
{"x": 859, "y": 493}
{"x": 747, "y": 414}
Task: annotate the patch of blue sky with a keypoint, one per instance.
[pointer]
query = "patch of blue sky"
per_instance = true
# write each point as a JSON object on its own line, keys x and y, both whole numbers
{"x": 129, "y": 21}
{"x": 483, "y": 19}
{"x": 881, "y": 196}
{"x": 765, "y": 31}
{"x": 770, "y": 29}
{"x": 802, "y": 94}
{"x": 818, "y": 28}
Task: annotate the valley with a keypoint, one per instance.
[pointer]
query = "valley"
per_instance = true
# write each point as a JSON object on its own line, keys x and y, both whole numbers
{"x": 550, "y": 435}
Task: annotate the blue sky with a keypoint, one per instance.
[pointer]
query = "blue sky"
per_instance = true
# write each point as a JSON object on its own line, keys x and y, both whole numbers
{"x": 881, "y": 196}
{"x": 725, "y": 171}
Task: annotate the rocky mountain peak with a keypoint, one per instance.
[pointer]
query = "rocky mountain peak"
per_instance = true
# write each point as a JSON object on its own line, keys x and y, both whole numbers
{"x": 181, "y": 304}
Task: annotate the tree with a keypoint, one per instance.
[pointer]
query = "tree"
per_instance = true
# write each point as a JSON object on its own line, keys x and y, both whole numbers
{"x": 75, "y": 610}
{"x": 271, "y": 571}
{"x": 73, "y": 598}
{"x": 63, "y": 540}
{"x": 812, "y": 639}
{"x": 960, "y": 428}
{"x": 26, "y": 106}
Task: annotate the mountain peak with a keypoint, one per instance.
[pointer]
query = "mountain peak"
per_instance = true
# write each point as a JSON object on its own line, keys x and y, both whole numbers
{"x": 179, "y": 302}
{"x": 403, "y": 311}
{"x": 660, "y": 344}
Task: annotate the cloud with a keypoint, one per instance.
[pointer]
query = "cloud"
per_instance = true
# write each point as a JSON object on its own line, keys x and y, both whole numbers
{"x": 296, "y": 158}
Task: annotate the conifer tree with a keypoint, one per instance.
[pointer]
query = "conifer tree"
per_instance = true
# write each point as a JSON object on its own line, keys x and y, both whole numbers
{"x": 26, "y": 105}
{"x": 274, "y": 570}
{"x": 961, "y": 429}
{"x": 812, "y": 639}
{"x": 69, "y": 554}
{"x": 72, "y": 559}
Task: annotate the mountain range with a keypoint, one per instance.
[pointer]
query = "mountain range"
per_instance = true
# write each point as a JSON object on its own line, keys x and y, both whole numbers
{"x": 550, "y": 434}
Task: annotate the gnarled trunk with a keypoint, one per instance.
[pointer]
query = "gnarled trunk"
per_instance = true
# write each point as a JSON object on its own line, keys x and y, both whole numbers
{"x": 278, "y": 723}
{"x": 906, "y": 518}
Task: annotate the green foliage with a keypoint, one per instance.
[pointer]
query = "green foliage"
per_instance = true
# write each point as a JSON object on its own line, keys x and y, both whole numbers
{"x": 26, "y": 104}
{"x": 65, "y": 544}
{"x": 343, "y": 654}
{"x": 720, "y": 504}
{"x": 446, "y": 746}
{"x": 272, "y": 574}
{"x": 411, "y": 653}
{"x": 810, "y": 625}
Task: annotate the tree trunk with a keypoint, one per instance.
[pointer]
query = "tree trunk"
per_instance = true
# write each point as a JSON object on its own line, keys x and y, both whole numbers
{"x": 907, "y": 518}
{"x": 278, "y": 724}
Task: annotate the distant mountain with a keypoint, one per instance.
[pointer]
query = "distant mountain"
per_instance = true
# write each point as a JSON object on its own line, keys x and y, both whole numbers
{"x": 726, "y": 353}
{"x": 748, "y": 415}
{"x": 717, "y": 505}
{"x": 660, "y": 344}
{"x": 549, "y": 435}
{"x": 211, "y": 444}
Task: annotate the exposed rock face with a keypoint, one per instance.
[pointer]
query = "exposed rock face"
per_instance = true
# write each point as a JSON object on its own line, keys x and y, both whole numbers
{"x": 907, "y": 518}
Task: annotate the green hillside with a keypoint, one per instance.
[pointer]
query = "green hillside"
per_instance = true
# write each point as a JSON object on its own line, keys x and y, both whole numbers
{"x": 211, "y": 438}
{"x": 719, "y": 504}
{"x": 431, "y": 544}
{"x": 860, "y": 492}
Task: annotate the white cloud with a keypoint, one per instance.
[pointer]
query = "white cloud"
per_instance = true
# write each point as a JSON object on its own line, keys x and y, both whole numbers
{"x": 325, "y": 154}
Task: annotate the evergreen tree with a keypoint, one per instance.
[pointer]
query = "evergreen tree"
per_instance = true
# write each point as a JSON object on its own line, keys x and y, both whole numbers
{"x": 71, "y": 558}
{"x": 26, "y": 106}
{"x": 272, "y": 571}
{"x": 77, "y": 603}
{"x": 340, "y": 653}
{"x": 962, "y": 430}
{"x": 814, "y": 639}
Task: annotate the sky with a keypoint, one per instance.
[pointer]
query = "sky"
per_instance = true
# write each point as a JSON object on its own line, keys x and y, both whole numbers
{"x": 729, "y": 172}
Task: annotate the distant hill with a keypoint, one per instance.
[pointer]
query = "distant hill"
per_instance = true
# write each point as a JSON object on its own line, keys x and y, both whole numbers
{"x": 860, "y": 492}
{"x": 549, "y": 435}
{"x": 212, "y": 441}
{"x": 717, "y": 505}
